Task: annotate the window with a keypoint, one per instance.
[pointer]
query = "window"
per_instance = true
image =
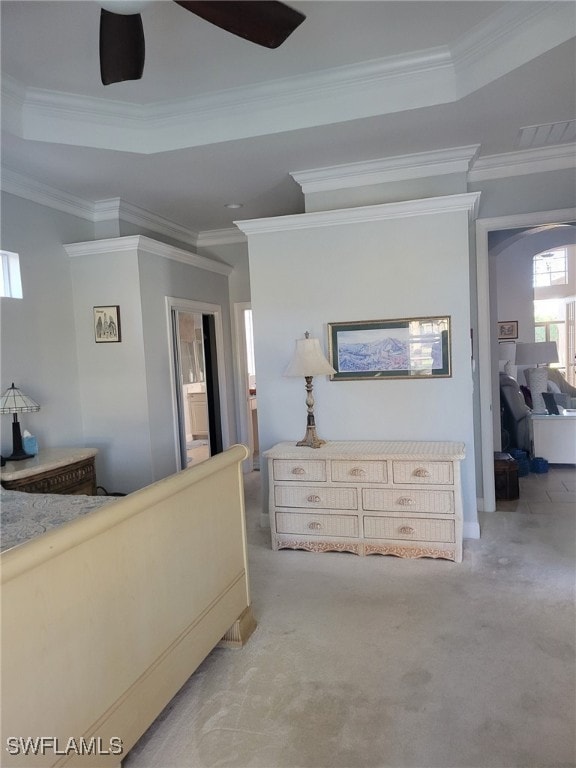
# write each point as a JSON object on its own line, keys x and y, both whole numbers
{"x": 550, "y": 268}
{"x": 10, "y": 282}
{"x": 550, "y": 325}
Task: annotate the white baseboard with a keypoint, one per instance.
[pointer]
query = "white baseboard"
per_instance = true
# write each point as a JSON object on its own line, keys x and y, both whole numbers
{"x": 471, "y": 530}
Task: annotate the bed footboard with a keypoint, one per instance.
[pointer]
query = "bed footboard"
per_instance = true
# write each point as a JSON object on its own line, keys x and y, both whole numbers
{"x": 104, "y": 619}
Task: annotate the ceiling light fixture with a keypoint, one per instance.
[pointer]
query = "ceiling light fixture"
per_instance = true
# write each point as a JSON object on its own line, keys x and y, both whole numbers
{"x": 233, "y": 205}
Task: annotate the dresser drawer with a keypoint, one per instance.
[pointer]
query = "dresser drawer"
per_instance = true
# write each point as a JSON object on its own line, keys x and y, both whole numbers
{"x": 359, "y": 472}
{"x": 312, "y": 497}
{"x": 409, "y": 528}
{"x": 431, "y": 472}
{"x": 317, "y": 525}
{"x": 408, "y": 500}
{"x": 287, "y": 469}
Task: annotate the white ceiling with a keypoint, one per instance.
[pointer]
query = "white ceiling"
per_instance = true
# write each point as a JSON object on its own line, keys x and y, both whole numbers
{"x": 216, "y": 119}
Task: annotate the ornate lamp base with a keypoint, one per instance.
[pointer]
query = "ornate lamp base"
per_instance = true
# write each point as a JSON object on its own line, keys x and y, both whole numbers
{"x": 311, "y": 439}
{"x": 537, "y": 379}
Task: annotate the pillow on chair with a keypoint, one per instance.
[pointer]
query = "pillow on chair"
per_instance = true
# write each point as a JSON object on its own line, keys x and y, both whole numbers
{"x": 554, "y": 388}
{"x": 527, "y": 395}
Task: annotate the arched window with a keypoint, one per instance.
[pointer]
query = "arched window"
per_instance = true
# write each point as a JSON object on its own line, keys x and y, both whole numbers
{"x": 550, "y": 268}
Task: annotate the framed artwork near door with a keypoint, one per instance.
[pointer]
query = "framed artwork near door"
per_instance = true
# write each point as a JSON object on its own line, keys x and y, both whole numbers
{"x": 507, "y": 329}
{"x": 107, "y": 324}
{"x": 406, "y": 348}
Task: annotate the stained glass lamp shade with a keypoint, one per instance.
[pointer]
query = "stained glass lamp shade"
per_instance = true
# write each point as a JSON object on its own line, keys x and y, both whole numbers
{"x": 15, "y": 402}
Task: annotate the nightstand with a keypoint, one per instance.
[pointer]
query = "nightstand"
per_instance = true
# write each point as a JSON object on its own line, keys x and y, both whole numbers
{"x": 53, "y": 470}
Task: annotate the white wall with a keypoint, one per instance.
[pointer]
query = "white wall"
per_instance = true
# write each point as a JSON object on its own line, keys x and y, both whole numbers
{"x": 160, "y": 277}
{"x": 514, "y": 291}
{"x": 127, "y": 387}
{"x": 112, "y": 376}
{"x": 115, "y": 397}
{"x": 304, "y": 277}
{"x": 549, "y": 191}
{"x": 38, "y": 349}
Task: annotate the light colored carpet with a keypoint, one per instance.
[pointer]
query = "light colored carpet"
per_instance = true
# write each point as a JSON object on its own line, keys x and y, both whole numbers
{"x": 378, "y": 662}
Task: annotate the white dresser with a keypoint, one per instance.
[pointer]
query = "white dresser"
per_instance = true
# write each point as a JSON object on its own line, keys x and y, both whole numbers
{"x": 390, "y": 498}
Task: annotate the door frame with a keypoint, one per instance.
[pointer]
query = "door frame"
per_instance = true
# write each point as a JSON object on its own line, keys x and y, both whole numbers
{"x": 197, "y": 307}
{"x": 242, "y": 372}
{"x": 243, "y": 408}
{"x": 486, "y": 331}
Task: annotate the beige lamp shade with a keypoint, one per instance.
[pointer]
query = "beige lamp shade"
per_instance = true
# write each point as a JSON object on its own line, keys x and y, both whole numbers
{"x": 536, "y": 353}
{"x": 308, "y": 360}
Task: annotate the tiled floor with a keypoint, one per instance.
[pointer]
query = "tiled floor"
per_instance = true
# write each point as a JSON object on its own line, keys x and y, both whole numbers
{"x": 544, "y": 493}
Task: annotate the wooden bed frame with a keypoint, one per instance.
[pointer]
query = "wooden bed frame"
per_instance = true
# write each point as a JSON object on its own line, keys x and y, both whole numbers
{"x": 105, "y": 618}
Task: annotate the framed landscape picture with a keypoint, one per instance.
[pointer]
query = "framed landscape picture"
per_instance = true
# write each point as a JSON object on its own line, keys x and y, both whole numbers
{"x": 410, "y": 348}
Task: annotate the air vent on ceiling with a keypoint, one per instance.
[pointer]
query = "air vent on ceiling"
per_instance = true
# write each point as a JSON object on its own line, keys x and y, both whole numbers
{"x": 544, "y": 135}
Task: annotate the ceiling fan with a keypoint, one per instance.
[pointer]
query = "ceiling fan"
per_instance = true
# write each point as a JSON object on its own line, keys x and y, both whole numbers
{"x": 264, "y": 22}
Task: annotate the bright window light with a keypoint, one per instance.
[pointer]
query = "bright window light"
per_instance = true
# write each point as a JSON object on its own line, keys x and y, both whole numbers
{"x": 10, "y": 282}
{"x": 550, "y": 268}
{"x": 249, "y": 342}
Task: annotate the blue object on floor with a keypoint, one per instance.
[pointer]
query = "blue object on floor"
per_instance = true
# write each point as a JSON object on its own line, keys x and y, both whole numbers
{"x": 539, "y": 465}
{"x": 523, "y": 462}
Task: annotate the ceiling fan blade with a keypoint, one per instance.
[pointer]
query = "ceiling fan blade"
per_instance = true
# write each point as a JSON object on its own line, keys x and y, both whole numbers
{"x": 264, "y": 22}
{"x": 121, "y": 47}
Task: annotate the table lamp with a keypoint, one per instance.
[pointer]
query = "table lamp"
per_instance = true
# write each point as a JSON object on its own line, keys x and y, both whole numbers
{"x": 13, "y": 401}
{"x": 538, "y": 354}
{"x": 309, "y": 361}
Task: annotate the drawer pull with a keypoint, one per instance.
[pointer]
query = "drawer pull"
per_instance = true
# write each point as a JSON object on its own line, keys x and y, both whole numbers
{"x": 421, "y": 472}
{"x": 313, "y": 498}
{"x": 357, "y": 471}
{"x": 314, "y": 526}
{"x": 406, "y": 501}
{"x": 298, "y": 471}
{"x": 406, "y": 529}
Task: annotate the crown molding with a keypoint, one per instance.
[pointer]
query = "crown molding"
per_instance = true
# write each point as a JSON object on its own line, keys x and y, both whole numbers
{"x": 228, "y": 236}
{"x": 436, "y": 163}
{"x": 467, "y": 202}
{"x": 374, "y": 87}
{"x": 112, "y": 209}
{"x": 28, "y": 188}
{"x": 364, "y": 89}
{"x": 141, "y": 244}
{"x": 387, "y": 169}
{"x": 511, "y": 36}
{"x": 525, "y": 161}
{"x": 116, "y": 209}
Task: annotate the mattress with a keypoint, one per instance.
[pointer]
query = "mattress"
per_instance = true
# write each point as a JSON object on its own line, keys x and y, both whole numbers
{"x": 24, "y": 516}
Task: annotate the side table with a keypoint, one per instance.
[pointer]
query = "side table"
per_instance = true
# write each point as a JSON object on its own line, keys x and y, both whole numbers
{"x": 53, "y": 470}
{"x": 554, "y": 438}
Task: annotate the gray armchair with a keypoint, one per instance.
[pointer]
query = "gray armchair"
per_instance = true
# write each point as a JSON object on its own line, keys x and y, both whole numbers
{"x": 567, "y": 396}
{"x": 515, "y": 413}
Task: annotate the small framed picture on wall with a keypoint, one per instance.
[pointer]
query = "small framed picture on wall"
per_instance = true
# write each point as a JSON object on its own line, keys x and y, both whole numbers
{"x": 507, "y": 329}
{"x": 107, "y": 324}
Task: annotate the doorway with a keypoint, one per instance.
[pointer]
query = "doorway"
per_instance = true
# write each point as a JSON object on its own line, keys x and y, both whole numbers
{"x": 198, "y": 381}
{"x": 488, "y": 397}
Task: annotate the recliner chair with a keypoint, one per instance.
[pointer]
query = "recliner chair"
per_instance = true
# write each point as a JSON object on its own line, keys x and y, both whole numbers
{"x": 515, "y": 413}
